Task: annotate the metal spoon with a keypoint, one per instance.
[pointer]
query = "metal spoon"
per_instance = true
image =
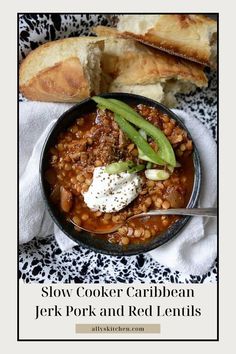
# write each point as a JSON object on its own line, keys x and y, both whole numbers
{"x": 209, "y": 212}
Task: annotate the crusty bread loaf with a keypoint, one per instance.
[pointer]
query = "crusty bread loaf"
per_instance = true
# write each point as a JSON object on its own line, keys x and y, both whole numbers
{"x": 190, "y": 36}
{"x": 66, "y": 70}
{"x": 153, "y": 91}
{"x": 130, "y": 66}
{"x": 72, "y": 69}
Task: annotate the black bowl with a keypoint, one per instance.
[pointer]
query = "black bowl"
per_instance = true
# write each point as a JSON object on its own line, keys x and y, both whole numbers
{"x": 97, "y": 243}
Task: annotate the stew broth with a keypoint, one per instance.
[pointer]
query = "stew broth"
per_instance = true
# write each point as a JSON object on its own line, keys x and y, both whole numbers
{"x": 95, "y": 140}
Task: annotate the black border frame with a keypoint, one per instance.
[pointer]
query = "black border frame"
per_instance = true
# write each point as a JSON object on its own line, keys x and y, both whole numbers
{"x": 117, "y": 340}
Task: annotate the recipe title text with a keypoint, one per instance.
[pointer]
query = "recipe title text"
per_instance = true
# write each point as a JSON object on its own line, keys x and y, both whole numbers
{"x": 154, "y": 309}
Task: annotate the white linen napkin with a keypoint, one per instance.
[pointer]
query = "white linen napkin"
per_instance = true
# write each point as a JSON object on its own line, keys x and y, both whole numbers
{"x": 193, "y": 251}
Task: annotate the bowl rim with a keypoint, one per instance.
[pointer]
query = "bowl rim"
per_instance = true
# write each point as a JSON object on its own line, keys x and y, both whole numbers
{"x": 168, "y": 234}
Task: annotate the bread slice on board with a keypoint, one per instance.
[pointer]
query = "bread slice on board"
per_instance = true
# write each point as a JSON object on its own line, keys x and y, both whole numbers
{"x": 66, "y": 70}
{"x": 190, "y": 36}
{"x": 129, "y": 66}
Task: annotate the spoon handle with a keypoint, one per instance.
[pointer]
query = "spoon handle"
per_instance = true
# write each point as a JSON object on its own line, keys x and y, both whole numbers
{"x": 210, "y": 212}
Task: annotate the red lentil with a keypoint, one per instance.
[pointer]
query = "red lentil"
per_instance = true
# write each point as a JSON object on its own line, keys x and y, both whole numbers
{"x": 95, "y": 140}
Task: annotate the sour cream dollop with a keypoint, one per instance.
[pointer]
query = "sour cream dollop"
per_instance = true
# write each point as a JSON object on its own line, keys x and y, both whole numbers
{"x": 111, "y": 193}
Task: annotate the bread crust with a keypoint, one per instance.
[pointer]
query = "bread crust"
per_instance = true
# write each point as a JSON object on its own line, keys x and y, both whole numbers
{"x": 139, "y": 64}
{"x": 188, "y": 36}
{"x": 65, "y": 81}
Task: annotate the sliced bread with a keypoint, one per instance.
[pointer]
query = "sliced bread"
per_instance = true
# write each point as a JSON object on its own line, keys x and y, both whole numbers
{"x": 66, "y": 70}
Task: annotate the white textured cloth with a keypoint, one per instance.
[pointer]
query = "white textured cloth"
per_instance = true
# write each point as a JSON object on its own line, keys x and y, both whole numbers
{"x": 193, "y": 251}
{"x": 36, "y": 119}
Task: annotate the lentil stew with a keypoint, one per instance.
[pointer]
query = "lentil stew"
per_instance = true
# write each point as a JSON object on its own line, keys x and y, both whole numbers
{"x": 93, "y": 140}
